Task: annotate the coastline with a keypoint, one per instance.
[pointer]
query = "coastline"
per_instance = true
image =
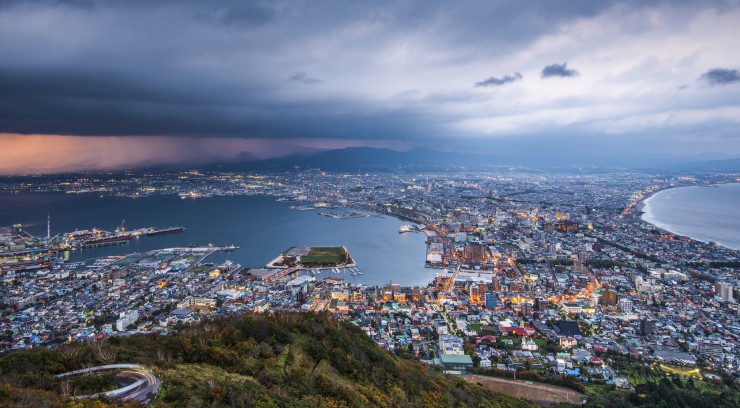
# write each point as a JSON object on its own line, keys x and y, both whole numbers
{"x": 641, "y": 213}
{"x": 640, "y": 206}
{"x": 405, "y": 264}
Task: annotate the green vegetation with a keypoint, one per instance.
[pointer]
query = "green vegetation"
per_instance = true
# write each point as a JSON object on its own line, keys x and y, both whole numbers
{"x": 606, "y": 263}
{"x": 667, "y": 393}
{"x": 199, "y": 269}
{"x": 662, "y": 386}
{"x": 325, "y": 256}
{"x": 92, "y": 383}
{"x": 277, "y": 360}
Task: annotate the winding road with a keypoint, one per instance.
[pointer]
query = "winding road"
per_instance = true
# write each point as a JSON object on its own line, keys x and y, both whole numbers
{"x": 136, "y": 382}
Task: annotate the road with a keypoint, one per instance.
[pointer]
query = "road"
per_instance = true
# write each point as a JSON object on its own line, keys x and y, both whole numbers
{"x": 136, "y": 382}
{"x": 146, "y": 387}
{"x": 437, "y": 308}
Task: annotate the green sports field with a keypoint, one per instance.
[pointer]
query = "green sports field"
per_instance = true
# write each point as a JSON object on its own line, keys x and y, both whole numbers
{"x": 325, "y": 256}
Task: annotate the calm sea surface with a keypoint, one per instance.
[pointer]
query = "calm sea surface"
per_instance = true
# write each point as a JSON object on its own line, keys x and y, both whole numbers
{"x": 702, "y": 213}
{"x": 260, "y": 226}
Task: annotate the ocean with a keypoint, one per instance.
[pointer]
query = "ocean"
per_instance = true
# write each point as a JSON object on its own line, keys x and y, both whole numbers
{"x": 710, "y": 213}
{"x": 260, "y": 226}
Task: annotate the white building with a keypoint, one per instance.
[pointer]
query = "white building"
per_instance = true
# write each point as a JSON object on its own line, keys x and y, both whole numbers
{"x": 711, "y": 348}
{"x": 192, "y": 302}
{"x": 626, "y": 305}
{"x": 450, "y": 344}
{"x": 126, "y": 319}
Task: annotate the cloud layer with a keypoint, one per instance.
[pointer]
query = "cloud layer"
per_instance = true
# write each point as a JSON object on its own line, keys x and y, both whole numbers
{"x": 493, "y": 81}
{"x": 383, "y": 71}
{"x": 558, "y": 70}
{"x": 720, "y": 76}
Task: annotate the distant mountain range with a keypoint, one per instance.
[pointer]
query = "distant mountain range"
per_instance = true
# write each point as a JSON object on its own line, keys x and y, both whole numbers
{"x": 360, "y": 159}
{"x": 421, "y": 159}
{"x": 730, "y": 165}
{"x": 366, "y": 159}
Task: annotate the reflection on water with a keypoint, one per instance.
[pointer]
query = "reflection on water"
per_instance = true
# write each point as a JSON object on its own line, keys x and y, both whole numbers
{"x": 261, "y": 226}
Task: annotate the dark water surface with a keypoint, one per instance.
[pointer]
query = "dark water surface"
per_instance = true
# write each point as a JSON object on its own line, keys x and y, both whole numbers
{"x": 260, "y": 226}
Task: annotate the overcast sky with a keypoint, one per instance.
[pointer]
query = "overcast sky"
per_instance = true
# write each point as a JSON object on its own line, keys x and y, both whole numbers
{"x": 185, "y": 80}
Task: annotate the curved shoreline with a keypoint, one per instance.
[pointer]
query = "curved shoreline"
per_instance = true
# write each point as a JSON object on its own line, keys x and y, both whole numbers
{"x": 643, "y": 204}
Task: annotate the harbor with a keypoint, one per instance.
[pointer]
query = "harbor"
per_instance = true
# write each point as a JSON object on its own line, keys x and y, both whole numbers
{"x": 309, "y": 261}
{"x": 24, "y": 252}
{"x": 261, "y": 226}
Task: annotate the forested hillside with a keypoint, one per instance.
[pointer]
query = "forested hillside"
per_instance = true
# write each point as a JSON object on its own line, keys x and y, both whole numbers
{"x": 277, "y": 360}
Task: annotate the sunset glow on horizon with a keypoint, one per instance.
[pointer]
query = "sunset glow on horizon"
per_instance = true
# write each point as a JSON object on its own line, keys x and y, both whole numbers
{"x": 59, "y": 153}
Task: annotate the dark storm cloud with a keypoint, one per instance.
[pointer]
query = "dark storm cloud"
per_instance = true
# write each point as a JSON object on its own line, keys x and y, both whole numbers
{"x": 558, "y": 70}
{"x": 90, "y": 102}
{"x": 88, "y": 4}
{"x": 301, "y": 77}
{"x": 236, "y": 68}
{"x": 243, "y": 14}
{"x": 720, "y": 76}
{"x": 494, "y": 81}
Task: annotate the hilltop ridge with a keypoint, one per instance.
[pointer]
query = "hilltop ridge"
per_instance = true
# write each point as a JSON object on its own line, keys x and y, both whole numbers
{"x": 283, "y": 359}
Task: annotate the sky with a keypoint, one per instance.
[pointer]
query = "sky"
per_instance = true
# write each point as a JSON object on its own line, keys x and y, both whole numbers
{"x": 117, "y": 83}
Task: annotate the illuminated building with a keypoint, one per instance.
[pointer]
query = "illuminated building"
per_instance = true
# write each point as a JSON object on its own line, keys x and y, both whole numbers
{"x": 477, "y": 292}
{"x": 609, "y": 298}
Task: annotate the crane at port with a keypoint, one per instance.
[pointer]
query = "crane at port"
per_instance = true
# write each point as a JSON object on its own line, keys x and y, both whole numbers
{"x": 121, "y": 228}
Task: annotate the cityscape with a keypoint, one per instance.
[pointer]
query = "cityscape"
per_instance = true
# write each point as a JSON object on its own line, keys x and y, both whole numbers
{"x": 523, "y": 279}
{"x": 386, "y": 204}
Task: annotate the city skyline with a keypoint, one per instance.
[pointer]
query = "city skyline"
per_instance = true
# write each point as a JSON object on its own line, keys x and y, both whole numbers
{"x": 86, "y": 84}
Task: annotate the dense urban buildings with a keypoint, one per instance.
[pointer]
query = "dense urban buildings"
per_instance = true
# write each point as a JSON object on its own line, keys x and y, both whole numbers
{"x": 533, "y": 279}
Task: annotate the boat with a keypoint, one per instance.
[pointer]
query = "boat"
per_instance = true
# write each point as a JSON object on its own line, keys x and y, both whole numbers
{"x": 407, "y": 228}
{"x": 170, "y": 230}
{"x": 109, "y": 239}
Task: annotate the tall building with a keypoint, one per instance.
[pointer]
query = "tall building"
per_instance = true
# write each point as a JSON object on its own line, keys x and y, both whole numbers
{"x": 491, "y": 301}
{"x": 515, "y": 286}
{"x": 476, "y": 296}
{"x": 476, "y": 253}
{"x": 126, "y": 319}
{"x": 609, "y": 297}
{"x": 496, "y": 284}
{"x": 626, "y": 305}
{"x": 540, "y": 304}
{"x": 711, "y": 348}
{"x": 646, "y": 326}
{"x": 579, "y": 266}
{"x": 724, "y": 290}
{"x": 417, "y": 295}
{"x": 526, "y": 309}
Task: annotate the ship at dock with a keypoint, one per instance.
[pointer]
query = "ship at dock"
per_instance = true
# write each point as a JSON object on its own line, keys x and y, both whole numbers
{"x": 170, "y": 230}
{"x": 105, "y": 239}
{"x": 408, "y": 228}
